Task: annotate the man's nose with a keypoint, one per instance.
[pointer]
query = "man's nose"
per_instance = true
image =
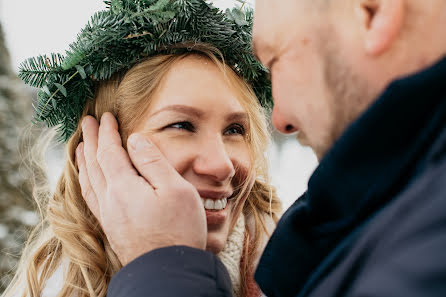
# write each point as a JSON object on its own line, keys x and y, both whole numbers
{"x": 281, "y": 123}
{"x": 214, "y": 161}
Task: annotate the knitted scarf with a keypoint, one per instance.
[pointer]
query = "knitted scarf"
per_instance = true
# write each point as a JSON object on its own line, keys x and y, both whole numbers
{"x": 231, "y": 254}
{"x": 232, "y": 258}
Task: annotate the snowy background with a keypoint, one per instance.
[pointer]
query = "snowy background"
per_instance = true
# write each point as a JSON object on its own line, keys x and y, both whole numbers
{"x": 46, "y": 26}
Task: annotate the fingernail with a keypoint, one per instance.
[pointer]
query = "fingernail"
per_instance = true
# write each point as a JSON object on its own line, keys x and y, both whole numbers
{"x": 139, "y": 142}
{"x": 83, "y": 123}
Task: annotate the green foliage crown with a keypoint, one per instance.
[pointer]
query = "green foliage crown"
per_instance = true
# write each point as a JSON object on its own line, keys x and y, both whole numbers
{"x": 127, "y": 32}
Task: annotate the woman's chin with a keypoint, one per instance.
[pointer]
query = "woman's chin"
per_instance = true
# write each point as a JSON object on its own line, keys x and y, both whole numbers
{"x": 215, "y": 242}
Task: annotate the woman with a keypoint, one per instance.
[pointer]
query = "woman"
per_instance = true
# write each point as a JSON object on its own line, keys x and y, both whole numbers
{"x": 201, "y": 112}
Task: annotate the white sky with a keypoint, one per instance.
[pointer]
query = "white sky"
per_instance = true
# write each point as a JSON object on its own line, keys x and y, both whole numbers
{"x": 35, "y": 27}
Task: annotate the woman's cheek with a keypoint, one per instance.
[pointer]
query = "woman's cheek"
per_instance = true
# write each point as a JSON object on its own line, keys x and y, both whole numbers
{"x": 178, "y": 152}
{"x": 240, "y": 156}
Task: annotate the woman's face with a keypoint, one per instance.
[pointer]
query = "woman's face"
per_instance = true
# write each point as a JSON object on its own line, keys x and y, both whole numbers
{"x": 197, "y": 122}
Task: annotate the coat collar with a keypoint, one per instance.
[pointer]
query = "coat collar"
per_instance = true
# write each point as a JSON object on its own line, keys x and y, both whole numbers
{"x": 374, "y": 160}
{"x": 379, "y": 153}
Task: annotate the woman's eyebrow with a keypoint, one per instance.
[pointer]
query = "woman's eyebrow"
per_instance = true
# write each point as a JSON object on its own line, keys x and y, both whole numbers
{"x": 237, "y": 117}
{"x": 189, "y": 110}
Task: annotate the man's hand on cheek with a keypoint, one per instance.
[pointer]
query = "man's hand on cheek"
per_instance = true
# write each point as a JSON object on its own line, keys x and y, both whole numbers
{"x": 139, "y": 209}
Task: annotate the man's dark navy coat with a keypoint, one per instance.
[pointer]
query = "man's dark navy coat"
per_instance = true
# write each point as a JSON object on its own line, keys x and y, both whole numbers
{"x": 372, "y": 223}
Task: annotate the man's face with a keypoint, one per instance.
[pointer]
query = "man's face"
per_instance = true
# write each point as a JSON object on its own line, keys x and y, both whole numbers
{"x": 317, "y": 84}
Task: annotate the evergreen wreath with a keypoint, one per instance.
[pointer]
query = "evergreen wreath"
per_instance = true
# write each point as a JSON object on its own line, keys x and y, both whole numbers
{"x": 128, "y": 31}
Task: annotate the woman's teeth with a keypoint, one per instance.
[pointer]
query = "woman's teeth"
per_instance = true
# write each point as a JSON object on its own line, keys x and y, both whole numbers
{"x": 211, "y": 204}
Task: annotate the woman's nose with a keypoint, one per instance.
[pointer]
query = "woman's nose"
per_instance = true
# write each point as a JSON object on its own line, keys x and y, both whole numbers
{"x": 214, "y": 161}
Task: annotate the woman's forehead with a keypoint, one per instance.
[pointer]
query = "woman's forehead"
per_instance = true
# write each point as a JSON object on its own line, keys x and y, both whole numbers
{"x": 197, "y": 82}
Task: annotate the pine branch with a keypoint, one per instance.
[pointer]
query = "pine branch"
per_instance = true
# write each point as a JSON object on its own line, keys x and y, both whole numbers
{"x": 130, "y": 30}
{"x": 35, "y": 71}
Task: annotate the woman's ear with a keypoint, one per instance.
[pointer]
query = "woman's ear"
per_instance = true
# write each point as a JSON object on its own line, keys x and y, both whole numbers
{"x": 382, "y": 22}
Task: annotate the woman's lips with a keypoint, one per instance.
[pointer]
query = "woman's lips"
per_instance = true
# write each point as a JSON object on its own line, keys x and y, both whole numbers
{"x": 216, "y": 217}
{"x": 214, "y": 194}
{"x": 216, "y": 214}
{"x": 216, "y": 206}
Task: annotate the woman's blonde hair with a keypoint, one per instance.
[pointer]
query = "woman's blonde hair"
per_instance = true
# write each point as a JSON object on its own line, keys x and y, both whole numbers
{"x": 68, "y": 231}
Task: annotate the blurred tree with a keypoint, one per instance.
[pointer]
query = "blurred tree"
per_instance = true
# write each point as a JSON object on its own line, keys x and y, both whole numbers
{"x": 16, "y": 208}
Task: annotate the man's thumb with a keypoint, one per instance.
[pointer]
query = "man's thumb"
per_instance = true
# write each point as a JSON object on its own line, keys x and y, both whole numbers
{"x": 150, "y": 162}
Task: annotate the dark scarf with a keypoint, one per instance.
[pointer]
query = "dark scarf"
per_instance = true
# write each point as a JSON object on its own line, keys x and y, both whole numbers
{"x": 374, "y": 160}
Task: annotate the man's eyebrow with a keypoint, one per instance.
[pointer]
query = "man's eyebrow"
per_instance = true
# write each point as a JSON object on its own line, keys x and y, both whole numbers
{"x": 255, "y": 51}
{"x": 189, "y": 110}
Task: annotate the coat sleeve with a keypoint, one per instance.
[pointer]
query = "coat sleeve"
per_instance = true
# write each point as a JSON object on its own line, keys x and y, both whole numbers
{"x": 410, "y": 261}
{"x": 172, "y": 271}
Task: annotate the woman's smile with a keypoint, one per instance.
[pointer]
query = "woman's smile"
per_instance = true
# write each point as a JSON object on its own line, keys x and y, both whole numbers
{"x": 203, "y": 135}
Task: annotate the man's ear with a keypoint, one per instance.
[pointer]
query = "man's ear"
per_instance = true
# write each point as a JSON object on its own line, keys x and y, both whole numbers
{"x": 382, "y": 22}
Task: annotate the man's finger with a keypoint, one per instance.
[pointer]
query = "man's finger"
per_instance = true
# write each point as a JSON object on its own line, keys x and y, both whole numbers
{"x": 87, "y": 192}
{"x": 112, "y": 157}
{"x": 150, "y": 162}
{"x": 90, "y": 129}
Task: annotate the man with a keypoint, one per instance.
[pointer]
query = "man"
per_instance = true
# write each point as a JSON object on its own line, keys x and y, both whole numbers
{"x": 373, "y": 220}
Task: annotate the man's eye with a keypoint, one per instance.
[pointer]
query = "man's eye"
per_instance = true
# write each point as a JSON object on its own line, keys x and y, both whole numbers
{"x": 235, "y": 129}
{"x": 183, "y": 126}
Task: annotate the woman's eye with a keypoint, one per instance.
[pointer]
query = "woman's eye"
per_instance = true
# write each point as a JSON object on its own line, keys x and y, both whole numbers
{"x": 235, "y": 129}
{"x": 183, "y": 126}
